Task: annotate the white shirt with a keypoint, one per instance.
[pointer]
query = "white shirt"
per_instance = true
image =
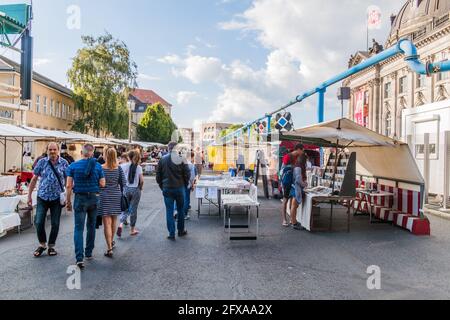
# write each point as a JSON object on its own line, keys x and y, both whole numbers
{"x": 126, "y": 170}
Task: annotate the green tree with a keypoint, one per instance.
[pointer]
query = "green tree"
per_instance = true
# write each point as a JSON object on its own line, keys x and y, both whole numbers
{"x": 156, "y": 125}
{"x": 102, "y": 75}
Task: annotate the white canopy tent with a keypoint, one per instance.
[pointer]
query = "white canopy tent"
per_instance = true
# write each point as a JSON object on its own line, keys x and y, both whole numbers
{"x": 10, "y": 134}
{"x": 377, "y": 156}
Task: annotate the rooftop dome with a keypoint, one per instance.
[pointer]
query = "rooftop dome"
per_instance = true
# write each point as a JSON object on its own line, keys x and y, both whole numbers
{"x": 417, "y": 18}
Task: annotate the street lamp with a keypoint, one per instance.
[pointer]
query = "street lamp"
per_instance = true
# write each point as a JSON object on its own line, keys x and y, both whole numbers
{"x": 131, "y": 105}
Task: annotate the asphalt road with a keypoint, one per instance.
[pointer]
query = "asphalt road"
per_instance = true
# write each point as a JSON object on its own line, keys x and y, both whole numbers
{"x": 282, "y": 264}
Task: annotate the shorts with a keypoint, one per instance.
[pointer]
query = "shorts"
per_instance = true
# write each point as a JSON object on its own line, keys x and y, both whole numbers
{"x": 287, "y": 192}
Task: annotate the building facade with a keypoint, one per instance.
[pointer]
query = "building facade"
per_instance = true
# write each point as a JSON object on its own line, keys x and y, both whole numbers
{"x": 210, "y": 131}
{"x": 382, "y": 92}
{"x": 52, "y": 106}
{"x": 144, "y": 99}
{"x": 188, "y": 136}
{"x": 392, "y": 100}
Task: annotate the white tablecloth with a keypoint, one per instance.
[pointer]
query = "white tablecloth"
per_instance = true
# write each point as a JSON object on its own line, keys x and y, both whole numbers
{"x": 305, "y": 211}
{"x": 8, "y": 221}
{"x": 7, "y": 183}
{"x": 9, "y": 204}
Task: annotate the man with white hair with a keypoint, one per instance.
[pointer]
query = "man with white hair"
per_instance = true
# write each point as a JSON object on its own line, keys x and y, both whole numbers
{"x": 85, "y": 178}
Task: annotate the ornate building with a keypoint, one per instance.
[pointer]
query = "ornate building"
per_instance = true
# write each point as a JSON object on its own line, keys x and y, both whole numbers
{"x": 381, "y": 93}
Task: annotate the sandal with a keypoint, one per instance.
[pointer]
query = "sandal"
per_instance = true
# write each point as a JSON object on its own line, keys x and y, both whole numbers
{"x": 135, "y": 233}
{"x": 39, "y": 251}
{"x": 52, "y": 252}
{"x": 285, "y": 224}
{"x": 113, "y": 245}
{"x": 109, "y": 253}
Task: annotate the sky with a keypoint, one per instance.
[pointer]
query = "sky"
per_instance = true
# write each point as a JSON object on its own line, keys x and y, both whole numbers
{"x": 216, "y": 60}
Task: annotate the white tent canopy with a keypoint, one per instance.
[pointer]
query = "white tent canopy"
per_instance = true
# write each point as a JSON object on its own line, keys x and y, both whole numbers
{"x": 137, "y": 143}
{"x": 345, "y": 132}
{"x": 11, "y": 131}
{"x": 376, "y": 155}
{"x": 50, "y": 133}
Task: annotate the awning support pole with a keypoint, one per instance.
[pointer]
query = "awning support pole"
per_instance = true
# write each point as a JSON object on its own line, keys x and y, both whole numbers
{"x": 446, "y": 168}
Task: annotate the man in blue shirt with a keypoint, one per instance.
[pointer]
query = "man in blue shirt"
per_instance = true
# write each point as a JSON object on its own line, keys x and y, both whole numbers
{"x": 85, "y": 178}
{"x": 51, "y": 186}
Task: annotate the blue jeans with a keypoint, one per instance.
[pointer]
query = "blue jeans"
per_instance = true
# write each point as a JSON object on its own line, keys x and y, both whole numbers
{"x": 85, "y": 205}
{"x": 187, "y": 201}
{"x": 39, "y": 221}
{"x": 172, "y": 196}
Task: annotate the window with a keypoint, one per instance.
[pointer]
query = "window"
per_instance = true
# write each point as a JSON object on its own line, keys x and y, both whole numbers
{"x": 38, "y": 103}
{"x": 45, "y": 105}
{"x": 52, "y": 107}
{"x": 441, "y": 76}
{"x": 63, "y": 111}
{"x": 69, "y": 115}
{"x": 388, "y": 124}
{"x": 402, "y": 85}
{"x": 420, "y": 81}
{"x": 432, "y": 128}
{"x": 387, "y": 90}
{"x": 58, "y": 109}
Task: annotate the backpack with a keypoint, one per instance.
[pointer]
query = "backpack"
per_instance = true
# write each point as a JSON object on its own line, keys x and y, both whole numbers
{"x": 287, "y": 175}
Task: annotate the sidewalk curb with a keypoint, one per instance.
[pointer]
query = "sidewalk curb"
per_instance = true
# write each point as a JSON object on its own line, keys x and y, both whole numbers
{"x": 438, "y": 214}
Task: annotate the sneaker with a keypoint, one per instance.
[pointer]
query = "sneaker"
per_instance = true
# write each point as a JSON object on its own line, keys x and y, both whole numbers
{"x": 171, "y": 238}
{"x": 125, "y": 223}
{"x": 89, "y": 258}
{"x": 188, "y": 217}
{"x": 80, "y": 265}
{"x": 297, "y": 226}
{"x": 182, "y": 233}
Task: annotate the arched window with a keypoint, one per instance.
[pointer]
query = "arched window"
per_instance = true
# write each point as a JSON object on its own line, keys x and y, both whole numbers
{"x": 388, "y": 124}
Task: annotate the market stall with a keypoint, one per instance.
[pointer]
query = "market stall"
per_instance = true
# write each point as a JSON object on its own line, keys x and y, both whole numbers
{"x": 12, "y": 191}
{"x": 381, "y": 166}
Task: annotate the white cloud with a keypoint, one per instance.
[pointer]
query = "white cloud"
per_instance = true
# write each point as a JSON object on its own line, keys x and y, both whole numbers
{"x": 309, "y": 41}
{"x": 172, "y": 59}
{"x": 39, "y": 62}
{"x": 201, "y": 69}
{"x": 184, "y": 97}
{"x": 146, "y": 77}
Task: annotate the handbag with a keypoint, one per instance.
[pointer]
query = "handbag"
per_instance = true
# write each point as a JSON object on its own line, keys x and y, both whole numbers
{"x": 62, "y": 195}
{"x": 124, "y": 203}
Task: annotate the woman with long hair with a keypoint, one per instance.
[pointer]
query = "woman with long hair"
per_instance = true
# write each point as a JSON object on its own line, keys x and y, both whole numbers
{"x": 110, "y": 198}
{"x": 134, "y": 178}
{"x": 300, "y": 178}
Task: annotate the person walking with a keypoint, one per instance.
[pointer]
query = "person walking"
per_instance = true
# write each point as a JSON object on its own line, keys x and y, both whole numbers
{"x": 51, "y": 174}
{"x": 173, "y": 177}
{"x": 190, "y": 186}
{"x": 85, "y": 178}
{"x": 111, "y": 198}
{"x": 198, "y": 161}
{"x": 287, "y": 178}
{"x": 134, "y": 183}
{"x": 299, "y": 184}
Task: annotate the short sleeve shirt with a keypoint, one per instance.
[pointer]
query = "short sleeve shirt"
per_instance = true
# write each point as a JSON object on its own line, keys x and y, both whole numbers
{"x": 85, "y": 183}
{"x": 49, "y": 187}
{"x": 126, "y": 170}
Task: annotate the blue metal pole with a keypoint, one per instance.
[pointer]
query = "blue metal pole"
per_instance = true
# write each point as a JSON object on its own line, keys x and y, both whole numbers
{"x": 321, "y": 105}
{"x": 269, "y": 126}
